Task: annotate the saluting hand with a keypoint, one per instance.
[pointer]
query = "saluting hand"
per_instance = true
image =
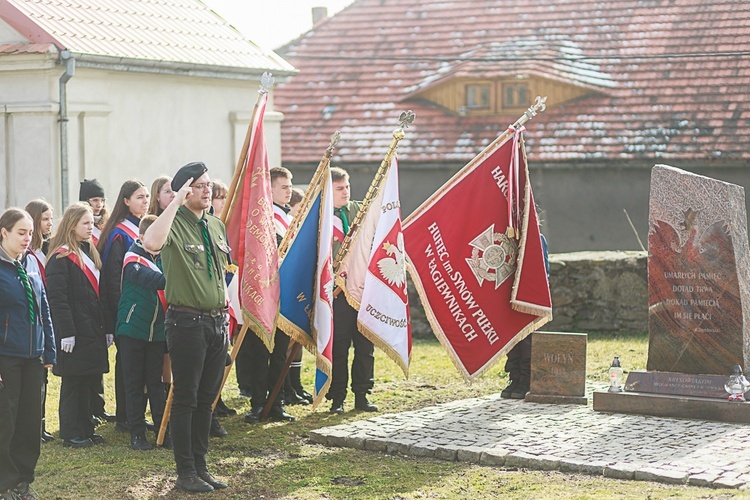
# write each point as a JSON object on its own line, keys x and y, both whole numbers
{"x": 184, "y": 193}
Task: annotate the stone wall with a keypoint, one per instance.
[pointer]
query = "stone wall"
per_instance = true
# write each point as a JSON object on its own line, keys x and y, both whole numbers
{"x": 591, "y": 292}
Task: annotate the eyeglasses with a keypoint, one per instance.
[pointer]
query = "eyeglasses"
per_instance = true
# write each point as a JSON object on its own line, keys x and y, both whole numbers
{"x": 203, "y": 185}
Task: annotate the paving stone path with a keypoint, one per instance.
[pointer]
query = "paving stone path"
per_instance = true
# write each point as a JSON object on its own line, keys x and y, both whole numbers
{"x": 573, "y": 438}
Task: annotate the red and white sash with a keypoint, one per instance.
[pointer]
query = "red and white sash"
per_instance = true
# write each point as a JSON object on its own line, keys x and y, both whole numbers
{"x": 280, "y": 220}
{"x": 95, "y": 235}
{"x": 41, "y": 259}
{"x": 338, "y": 230}
{"x": 88, "y": 267}
{"x": 130, "y": 228}
{"x": 134, "y": 257}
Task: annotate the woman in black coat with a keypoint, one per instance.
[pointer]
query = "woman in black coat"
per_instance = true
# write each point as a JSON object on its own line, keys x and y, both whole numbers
{"x": 78, "y": 317}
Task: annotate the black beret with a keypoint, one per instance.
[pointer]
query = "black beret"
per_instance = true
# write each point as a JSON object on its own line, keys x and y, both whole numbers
{"x": 194, "y": 170}
{"x": 90, "y": 188}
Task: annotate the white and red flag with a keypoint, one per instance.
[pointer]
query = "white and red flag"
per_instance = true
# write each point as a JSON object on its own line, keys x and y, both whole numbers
{"x": 254, "y": 289}
{"x": 474, "y": 251}
{"x": 383, "y": 305}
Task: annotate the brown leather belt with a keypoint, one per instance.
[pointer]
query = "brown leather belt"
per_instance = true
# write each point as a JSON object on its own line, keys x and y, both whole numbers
{"x": 214, "y": 313}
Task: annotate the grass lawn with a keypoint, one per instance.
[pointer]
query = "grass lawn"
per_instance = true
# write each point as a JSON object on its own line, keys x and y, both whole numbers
{"x": 275, "y": 460}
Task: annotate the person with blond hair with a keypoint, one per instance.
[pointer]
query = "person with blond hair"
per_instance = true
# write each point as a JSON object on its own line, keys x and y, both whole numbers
{"x": 74, "y": 290}
{"x": 27, "y": 348}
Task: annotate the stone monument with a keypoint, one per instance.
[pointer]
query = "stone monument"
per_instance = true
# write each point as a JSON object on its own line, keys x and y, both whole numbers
{"x": 699, "y": 300}
{"x": 558, "y": 368}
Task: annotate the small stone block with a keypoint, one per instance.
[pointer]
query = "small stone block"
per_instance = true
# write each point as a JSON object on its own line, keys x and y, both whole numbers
{"x": 318, "y": 438}
{"x": 558, "y": 364}
{"x": 661, "y": 475}
{"x": 446, "y": 453}
{"x": 355, "y": 442}
{"x": 702, "y": 479}
{"x": 546, "y": 462}
{"x": 495, "y": 457}
{"x": 421, "y": 450}
{"x": 594, "y": 468}
{"x": 520, "y": 459}
{"x": 728, "y": 482}
{"x": 376, "y": 445}
{"x": 339, "y": 441}
{"x": 469, "y": 454}
{"x": 620, "y": 471}
{"x": 555, "y": 400}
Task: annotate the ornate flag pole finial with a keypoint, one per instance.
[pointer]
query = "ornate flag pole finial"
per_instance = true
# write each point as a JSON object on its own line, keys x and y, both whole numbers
{"x": 335, "y": 137}
{"x": 266, "y": 82}
{"x": 540, "y": 104}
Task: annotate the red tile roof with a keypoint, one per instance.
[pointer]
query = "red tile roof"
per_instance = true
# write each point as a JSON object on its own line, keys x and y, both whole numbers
{"x": 670, "y": 79}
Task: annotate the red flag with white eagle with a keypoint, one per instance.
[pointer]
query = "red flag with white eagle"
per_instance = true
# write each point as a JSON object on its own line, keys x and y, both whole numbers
{"x": 474, "y": 251}
{"x": 253, "y": 292}
{"x": 384, "y": 307}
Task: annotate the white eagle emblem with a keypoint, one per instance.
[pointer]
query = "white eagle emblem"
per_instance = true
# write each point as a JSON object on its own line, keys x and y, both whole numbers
{"x": 393, "y": 270}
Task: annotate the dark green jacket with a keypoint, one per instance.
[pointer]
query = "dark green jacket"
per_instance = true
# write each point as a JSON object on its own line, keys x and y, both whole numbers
{"x": 140, "y": 314}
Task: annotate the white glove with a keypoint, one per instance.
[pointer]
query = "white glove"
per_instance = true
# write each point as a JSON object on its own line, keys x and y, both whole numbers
{"x": 110, "y": 339}
{"x": 67, "y": 344}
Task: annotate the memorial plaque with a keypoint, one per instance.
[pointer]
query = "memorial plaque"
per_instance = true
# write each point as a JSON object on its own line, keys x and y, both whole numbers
{"x": 558, "y": 368}
{"x": 698, "y": 274}
{"x": 678, "y": 384}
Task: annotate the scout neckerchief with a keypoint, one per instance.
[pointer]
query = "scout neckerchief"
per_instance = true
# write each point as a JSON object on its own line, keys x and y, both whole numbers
{"x": 127, "y": 229}
{"x": 139, "y": 259}
{"x": 203, "y": 223}
{"x": 87, "y": 266}
{"x": 27, "y": 286}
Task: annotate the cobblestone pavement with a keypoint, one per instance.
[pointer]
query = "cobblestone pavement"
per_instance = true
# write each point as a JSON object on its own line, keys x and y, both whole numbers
{"x": 574, "y": 438}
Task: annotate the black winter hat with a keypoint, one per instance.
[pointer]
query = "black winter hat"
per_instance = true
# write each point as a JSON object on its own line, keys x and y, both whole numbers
{"x": 194, "y": 170}
{"x": 90, "y": 188}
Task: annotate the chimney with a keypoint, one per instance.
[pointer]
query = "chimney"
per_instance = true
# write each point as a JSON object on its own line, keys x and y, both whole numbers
{"x": 319, "y": 14}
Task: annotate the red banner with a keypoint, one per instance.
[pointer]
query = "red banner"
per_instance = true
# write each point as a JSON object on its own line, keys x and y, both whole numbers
{"x": 480, "y": 270}
{"x": 252, "y": 237}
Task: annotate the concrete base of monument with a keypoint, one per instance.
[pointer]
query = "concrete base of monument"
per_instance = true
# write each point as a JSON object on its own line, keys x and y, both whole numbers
{"x": 661, "y": 405}
{"x": 555, "y": 399}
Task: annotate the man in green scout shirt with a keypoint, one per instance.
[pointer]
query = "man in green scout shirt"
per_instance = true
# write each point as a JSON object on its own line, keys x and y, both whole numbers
{"x": 345, "y": 331}
{"x": 194, "y": 251}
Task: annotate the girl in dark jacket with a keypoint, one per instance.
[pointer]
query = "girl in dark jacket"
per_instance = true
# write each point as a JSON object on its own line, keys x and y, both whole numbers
{"x": 41, "y": 213}
{"x": 120, "y": 231}
{"x": 27, "y": 347}
{"x": 140, "y": 333}
{"x": 74, "y": 292}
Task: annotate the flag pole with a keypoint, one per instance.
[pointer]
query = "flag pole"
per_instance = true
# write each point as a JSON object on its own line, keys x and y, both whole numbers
{"x": 307, "y": 200}
{"x": 266, "y": 81}
{"x": 404, "y": 120}
{"x": 538, "y": 107}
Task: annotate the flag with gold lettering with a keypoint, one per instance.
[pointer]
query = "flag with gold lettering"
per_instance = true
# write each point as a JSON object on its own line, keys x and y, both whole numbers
{"x": 475, "y": 254}
{"x": 254, "y": 289}
{"x": 384, "y": 306}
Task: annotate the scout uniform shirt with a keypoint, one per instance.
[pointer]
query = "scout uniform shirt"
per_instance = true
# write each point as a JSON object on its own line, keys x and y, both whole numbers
{"x": 191, "y": 281}
{"x": 350, "y": 210}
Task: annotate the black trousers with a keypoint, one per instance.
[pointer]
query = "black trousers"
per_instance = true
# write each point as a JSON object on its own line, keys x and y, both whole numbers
{"x": 75, "y": 405}
{"x": 518, "y": 365}
{"x": 97, "y": 397}
{"x": 243, "y": 363}
{"x": 198, "y": 351}
{"x": 121, "y": 405}
{"x": 345, "y": 333}
{"x": 142, "y": 363}
{"x": 265, "y": 367}
{"x": 20, "y": 419}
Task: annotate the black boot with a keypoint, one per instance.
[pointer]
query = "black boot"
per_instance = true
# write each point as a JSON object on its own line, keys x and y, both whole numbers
{"x": 290, "y": 395}
{"x": 216, "y": 429}
{"x": 46, "y": 436}
{"x": 523, "y": 387}
{"x": 509, "y": 389}
{"x": 361, "y": 403}
{"x": 294, "y": 377}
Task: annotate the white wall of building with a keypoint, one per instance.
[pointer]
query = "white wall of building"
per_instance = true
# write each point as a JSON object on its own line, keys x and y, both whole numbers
{"x": 122, "y": 125}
